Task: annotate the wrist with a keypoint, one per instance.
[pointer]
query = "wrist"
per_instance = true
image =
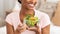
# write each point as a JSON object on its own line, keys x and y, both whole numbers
{"x": 17, "y": 32}
{"x": 38, "y": 31}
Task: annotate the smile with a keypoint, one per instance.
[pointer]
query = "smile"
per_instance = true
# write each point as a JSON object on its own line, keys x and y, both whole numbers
{"x": 31, "y": 5}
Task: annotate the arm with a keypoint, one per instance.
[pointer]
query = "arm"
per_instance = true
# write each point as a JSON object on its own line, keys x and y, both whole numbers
{"x": 9, "y": 29}
{"x": 46, "y": 30}
{"x": 38, "y": 32}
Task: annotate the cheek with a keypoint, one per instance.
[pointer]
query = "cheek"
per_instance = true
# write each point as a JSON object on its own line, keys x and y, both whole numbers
{"x": 28, "y": 0}
{"x": 24, "y": 5}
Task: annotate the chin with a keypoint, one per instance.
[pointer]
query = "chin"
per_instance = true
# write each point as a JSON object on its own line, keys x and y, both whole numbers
{"x": 30, "y": 8}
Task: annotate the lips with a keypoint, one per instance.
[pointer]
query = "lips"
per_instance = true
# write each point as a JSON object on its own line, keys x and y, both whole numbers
{"x": 31, "y": 5}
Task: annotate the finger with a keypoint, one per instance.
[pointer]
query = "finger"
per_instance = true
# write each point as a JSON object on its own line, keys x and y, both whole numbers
{"x": 20, "y": 27}
{"x": 20, "y": 24}
{"x": 37, "y": 25}
{"x": 27, "y": 27}
{"x": 32, "y": 28}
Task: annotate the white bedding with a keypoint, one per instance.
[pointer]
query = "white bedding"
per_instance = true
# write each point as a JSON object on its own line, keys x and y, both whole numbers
{"x": 53, "y": 30}
{"x": 3, "y": 30}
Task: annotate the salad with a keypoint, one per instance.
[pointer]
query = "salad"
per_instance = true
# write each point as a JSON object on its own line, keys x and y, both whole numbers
{"x": 31, "y": 20}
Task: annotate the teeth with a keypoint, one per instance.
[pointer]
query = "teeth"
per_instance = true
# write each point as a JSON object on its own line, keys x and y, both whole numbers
{"x": 31, "y": 4}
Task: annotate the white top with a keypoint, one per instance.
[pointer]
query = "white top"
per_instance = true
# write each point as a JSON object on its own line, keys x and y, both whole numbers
{"x": 14, "y": 20}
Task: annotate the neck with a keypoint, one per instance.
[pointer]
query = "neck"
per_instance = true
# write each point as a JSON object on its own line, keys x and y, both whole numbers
{"x": 25, "y": 11}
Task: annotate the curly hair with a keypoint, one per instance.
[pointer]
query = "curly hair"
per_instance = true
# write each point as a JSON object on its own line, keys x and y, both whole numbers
{"x": 19, "y": 1}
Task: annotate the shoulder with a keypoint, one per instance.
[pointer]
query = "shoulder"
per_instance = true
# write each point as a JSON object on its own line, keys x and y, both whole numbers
{"x": 10, "y": 18}
{"x": 40, "y": 13}
{"x": 45, "y": 20}
{"x": 12, "y": 14}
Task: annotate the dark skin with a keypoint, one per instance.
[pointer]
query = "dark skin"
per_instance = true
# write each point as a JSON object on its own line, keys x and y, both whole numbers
{"x": 26, "y": 9}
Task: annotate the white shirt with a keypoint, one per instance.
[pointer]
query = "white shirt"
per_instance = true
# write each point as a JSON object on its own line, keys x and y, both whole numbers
{"x": 14, "y": 20}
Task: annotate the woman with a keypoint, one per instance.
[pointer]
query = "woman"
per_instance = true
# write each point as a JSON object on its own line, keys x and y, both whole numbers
{"x": 15, "y": 20}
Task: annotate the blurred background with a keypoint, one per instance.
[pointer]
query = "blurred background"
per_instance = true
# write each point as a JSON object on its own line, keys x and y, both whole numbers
{"x": 51, "y": 7}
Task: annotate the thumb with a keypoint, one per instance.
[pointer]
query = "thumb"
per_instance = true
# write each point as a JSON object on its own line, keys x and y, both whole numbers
{"x": 20, "y": 24}
{"x": 37, "y": 25}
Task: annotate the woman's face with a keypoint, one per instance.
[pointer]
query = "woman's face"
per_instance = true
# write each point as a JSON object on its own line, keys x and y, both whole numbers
{"x": 28, "y": 4}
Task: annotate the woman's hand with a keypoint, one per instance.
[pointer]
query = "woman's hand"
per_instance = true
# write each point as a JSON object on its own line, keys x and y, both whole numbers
{"x": 21, "y": 28}
{"x": 36, "y": 29}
